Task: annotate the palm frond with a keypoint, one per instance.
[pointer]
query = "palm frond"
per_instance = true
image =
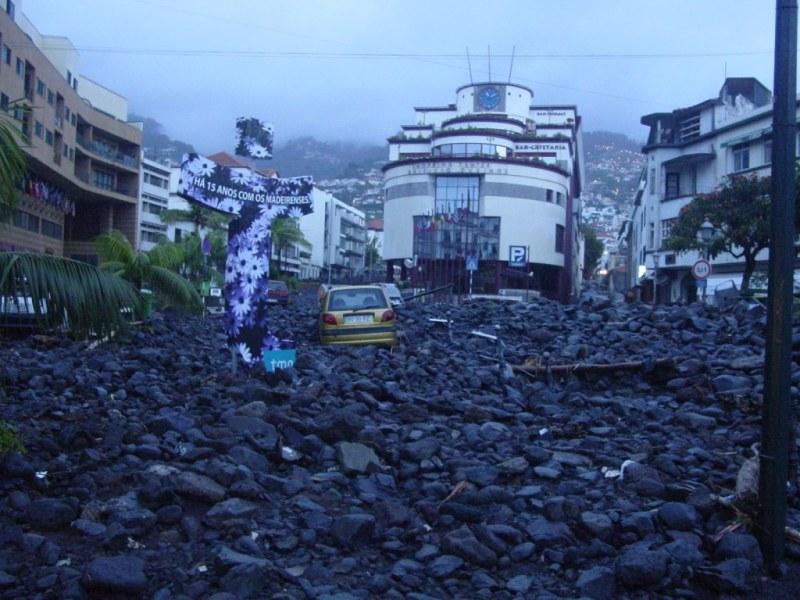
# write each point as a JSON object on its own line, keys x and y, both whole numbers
{"x": 173, "y": 286}
{"x": 114, "y": 246}
{"x": 166, "y": 254}
{"x": 174, "y": 215}
{"x": 12, "y": 165}
{"x": 67, "y": 292}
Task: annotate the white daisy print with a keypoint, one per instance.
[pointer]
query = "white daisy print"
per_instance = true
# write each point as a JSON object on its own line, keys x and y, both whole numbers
{"x": 241, "y": 177}
{"x": 244, "y": 352}
{"x": 241, "y": 305}
{"x": 295, "y": 212}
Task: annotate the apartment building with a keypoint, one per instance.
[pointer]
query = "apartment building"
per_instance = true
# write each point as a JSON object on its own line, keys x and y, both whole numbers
{"x": 338, "y": 236}
{"x": 691, "y": 151}
{"x": 153, "y": 203}
{"x": 83, "y": 155}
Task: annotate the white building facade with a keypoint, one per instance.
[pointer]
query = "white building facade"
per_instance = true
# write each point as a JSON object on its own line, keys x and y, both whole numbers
{"x": 338, "y": 236}
{"x": 154, "y": 193}
{"x": 691, "y": 151}
{"x": 473, "y": 179}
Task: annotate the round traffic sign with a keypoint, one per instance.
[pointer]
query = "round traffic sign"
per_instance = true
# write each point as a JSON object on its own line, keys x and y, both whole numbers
{"x": 701, "y": 269}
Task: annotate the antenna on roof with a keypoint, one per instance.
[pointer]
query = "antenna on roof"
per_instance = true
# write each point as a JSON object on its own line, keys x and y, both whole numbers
{"x": 511, "y": 67}
{"x": 489, "y": 55}
{"x": 469, "y": 65}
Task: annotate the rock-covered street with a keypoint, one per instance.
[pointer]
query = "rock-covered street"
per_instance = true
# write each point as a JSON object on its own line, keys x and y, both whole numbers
{"x": 152, "y": 471}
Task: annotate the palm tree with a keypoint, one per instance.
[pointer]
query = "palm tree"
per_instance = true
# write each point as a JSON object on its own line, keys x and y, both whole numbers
{"x": 197, "y": 215}
{"x": 12, "y": 165}
{"x": 154, "y": 268}
{"x": 65, "y": 292}
{"x": 372, "y": 254}
{"x": 286, "y": 232}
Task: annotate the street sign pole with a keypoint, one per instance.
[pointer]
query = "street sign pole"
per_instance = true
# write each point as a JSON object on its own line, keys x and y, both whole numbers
{"x": 776, "y": 410}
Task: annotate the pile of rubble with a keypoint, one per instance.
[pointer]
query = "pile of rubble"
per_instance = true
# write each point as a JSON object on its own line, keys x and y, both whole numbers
{"x": 440, "y": 469}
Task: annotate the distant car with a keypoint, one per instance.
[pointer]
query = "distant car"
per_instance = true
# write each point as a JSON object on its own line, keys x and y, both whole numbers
{"x": 357, "y": 315}
{"x": 277, "y": 292}
{"x": 393, "y": 292}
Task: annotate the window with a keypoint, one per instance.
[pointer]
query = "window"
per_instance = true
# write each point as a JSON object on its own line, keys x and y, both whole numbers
{"x": 104, "y": 179}
{"x": 66, "y": 150}
{"x": 38, "y": 129}
{"x": 48, "y": 137}
{"x": 6, "y": 55}
{"x": 673, "y": 185}
{"x": 51, "y": 97}
{"x": 10, "y": 9}
{"x": 69, "y": 77}
{"x": 4, "y": 101}
{"x": 669, "y": 259}
{"x": 25, "y": 220}
{"x": 559, "y": 198}
{"x": 767, "y": 151}
{"x": 690, "y": 127}
{"x": 652, "y": 181}
{"x": 156, "y": 181}
{"x": 66, "y": 114}
{"x": 741, "y": 156}
{"x": 652, "y": 237}
{"x": 71, "y": 154}
{"x": 549, "y": 195}
{"x": 178, "y": 233}
{"x": 560, "y": 239}
{"x": 20, "y": 67}
{"x": 51, "y": 229}
{"x": 666, "y": 229}
{"x": 457, "y": 195}
{"x": 74, "y": 120}
{"x": 40, "y": 87}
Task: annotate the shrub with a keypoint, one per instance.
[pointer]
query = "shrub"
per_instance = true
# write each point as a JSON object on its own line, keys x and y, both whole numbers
{"x": 9, "y": 439}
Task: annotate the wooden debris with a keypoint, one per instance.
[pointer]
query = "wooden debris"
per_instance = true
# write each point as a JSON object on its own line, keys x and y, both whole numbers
{"x": 459, "y": 487}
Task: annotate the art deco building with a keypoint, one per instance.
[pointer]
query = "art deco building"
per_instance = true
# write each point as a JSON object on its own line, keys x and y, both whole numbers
{"x": 473, "y": 179}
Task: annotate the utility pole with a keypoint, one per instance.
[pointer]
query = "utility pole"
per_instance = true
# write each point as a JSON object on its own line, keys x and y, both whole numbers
{"x": 776, "y": 411}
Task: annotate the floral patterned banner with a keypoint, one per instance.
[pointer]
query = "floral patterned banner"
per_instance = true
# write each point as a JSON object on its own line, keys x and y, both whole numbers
{"x": 256, "y": 200}
{"x": 253, "y": 138}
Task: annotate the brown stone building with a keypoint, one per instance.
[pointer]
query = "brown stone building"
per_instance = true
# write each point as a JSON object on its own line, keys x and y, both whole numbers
{"x": 83, "y": 157}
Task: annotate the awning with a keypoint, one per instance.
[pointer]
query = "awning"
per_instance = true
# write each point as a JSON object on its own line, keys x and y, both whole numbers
{"x": 741, "y": 140}
{"x": 689, "y": 159}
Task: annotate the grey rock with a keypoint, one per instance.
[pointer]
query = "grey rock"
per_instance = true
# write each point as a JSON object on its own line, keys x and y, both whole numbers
{"x": 599, "y": 524}
{"x": 50, "y": 514}
{"x": 462, "y": 542}
{"x": 739, "y": 545}
{"x": 421, "y": 449}
{"x": 731, "y": 383}
{"x": 353, "y": 530}
{"x": 638, "y": 567}
{"x": 678, "y": 515}
{"x": 199, "y": 486}
{"x": 597, "y": 583}
{"x": 233, "y": 508}
{"x": 115, "y": 574}
{"x": 519, "y": 584}
{"x": 546, "y": 533}
{"x": 444, "y": 565}
{"x": 357, "y": 458}
{"x": 730, "y": 576}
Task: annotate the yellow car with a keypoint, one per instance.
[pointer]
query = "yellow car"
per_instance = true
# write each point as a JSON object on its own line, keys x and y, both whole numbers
{"x": 357, "y": 314}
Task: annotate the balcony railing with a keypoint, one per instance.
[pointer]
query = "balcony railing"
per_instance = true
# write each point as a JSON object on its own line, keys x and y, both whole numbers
{"x": 103, "y": 150}
{"x": 125, "y": 190}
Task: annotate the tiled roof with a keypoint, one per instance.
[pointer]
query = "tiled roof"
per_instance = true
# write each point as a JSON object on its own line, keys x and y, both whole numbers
{"x": 226, "y": 160}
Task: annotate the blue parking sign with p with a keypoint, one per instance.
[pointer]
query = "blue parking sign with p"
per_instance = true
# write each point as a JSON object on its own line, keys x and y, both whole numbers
{"x": 517, "y": 256}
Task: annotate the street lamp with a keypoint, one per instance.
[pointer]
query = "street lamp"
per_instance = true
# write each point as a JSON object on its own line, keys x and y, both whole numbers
{"x": 705, "y": 234}
{"x": 655, "y": 278}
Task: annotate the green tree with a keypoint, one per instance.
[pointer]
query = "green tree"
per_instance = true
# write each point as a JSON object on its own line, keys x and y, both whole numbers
{"x": 593, "y": 249}
{"x": 740, "y": 210}
{"x": 285, "y": 233}
{"x": 372, "y": 256}
{"x": 155, "y": 269}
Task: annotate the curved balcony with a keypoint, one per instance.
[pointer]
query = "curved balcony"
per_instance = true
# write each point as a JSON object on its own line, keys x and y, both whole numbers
{"x": 103, "y": 152}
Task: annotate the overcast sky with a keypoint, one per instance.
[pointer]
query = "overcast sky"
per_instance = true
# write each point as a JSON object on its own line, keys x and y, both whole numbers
{"x": 184, "y": 62}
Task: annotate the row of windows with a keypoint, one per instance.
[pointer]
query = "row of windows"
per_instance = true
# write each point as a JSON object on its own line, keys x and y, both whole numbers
{"x": 103, "y": 179}
{"x": 463, "y": 150}
{"x": 154, "y": 209}
{"x": 30, "y": 222}
{"x": 152, "y": 236}
{"x": 156, "y": 181}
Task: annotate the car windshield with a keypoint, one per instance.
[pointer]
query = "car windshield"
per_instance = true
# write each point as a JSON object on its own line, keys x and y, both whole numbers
{"x": 355, "y": 299}
{"x": 393, "y": 291}
{"x": 276, "y": 285}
